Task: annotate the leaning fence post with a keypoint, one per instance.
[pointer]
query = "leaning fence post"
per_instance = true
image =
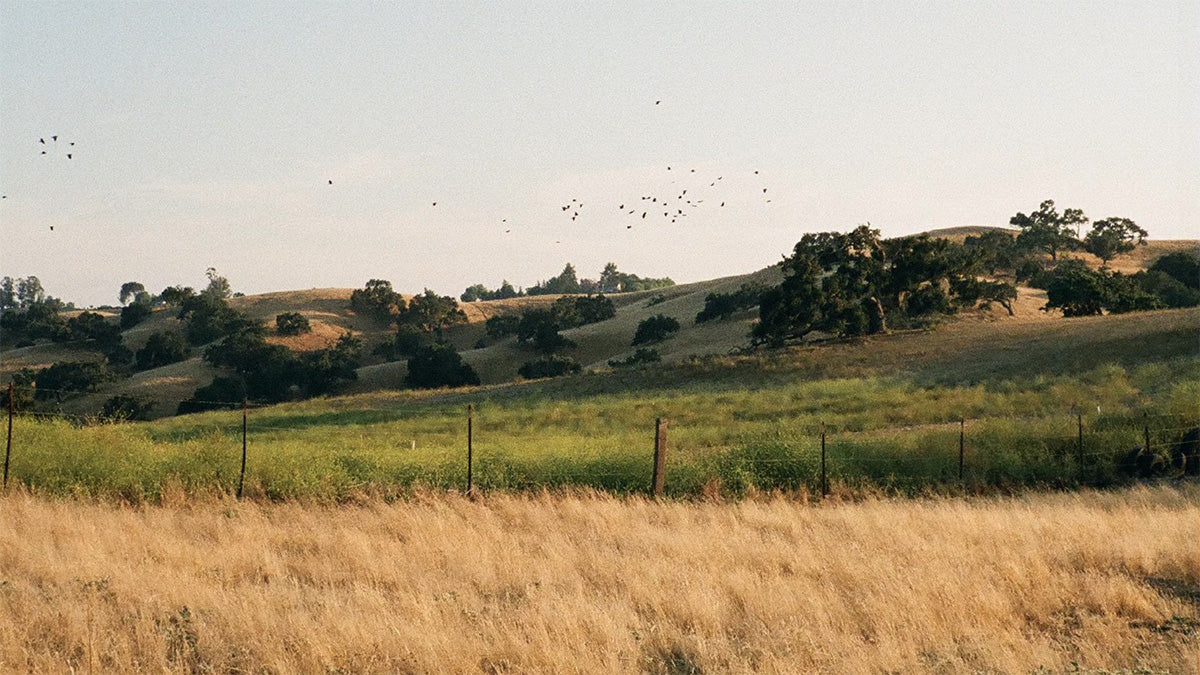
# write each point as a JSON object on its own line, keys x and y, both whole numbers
{"x": 824, "y": 480}
{"x": 660, "y": 457}
{"x": 8, "y": 443}
{"x": 242, "y": 475}
{"x": 1146, "y": 430}
{"x": 470, "y": 433}
{"x": 962, "y": 446}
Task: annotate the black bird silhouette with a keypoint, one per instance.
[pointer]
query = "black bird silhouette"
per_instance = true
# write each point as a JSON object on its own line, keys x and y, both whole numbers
{"x": 43, "y": 152}
{"x": 621, "y": 206}
{"x": 756, "y": 172}
{"x": 72, "y": 142}
{"x": 331, "y": 182}
{"x": 764, "y": 191}
{"x": 51, "y": 228}
{"x": 42, "y": 141}
{"x": 68, "y": 155}
{"x": 643, "y": 214}
{"x": 722, "y": 203}
{"x": 54, "y": 138}
{"x": 435, "y": 203}
{"x": 507, "y": 231}
{"x": 657, "y": 102}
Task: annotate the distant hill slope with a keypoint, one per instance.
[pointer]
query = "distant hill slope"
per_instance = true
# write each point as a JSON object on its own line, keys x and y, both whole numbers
{"x": 328, "y": 311}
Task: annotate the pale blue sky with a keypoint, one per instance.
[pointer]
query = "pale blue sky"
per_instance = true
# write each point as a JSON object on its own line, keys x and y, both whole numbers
{"x": 206, "y": 133}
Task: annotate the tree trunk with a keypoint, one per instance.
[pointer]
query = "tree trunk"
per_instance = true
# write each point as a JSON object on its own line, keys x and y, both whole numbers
{"x": 877, "y": 318}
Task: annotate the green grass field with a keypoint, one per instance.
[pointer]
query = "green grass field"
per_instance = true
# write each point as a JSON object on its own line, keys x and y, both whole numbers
{"x": 891, "y": 405}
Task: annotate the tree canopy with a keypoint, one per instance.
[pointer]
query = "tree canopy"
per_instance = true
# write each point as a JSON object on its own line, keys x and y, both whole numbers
{"x": 1047, "y": 230}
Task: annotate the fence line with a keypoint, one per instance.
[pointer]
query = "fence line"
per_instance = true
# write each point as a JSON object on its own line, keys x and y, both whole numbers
{"x": 834, "y": 445}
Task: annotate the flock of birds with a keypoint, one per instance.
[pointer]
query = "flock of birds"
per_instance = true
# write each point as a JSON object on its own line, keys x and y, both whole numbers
{"x": 679, "y": 203}
{"x": 672, "y": 208}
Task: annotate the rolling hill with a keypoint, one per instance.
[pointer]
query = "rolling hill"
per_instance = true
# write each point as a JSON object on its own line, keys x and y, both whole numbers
{"x": 330, "y": 316}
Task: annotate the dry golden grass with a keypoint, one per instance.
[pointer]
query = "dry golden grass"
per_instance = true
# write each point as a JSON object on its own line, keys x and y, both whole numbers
{"x": 594, "y": 584}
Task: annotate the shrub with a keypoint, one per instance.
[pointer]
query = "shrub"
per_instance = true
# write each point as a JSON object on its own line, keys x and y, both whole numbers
{"x": 641, "y": 356}
{"x": 68, "y": 377}
{"x": 222, "y": 393}
{"x": 436, "y": 366}
{"x": 377, "y": 299}
{"x": 133, "y": 314}
{"x": 161, "y": 349}
{"x": 549, "y": 366}
{"x": 291, "y": 323}
{"x": 1183, "y": 266}
{"x": 502, "y": 325}
{"x": 654, "y": 329}
{"x": 126, "y": 407}
{"x": 719, "y": 306}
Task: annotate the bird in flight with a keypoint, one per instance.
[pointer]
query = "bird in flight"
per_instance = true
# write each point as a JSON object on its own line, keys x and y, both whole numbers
{"x": 68, "y": 155}
{"x": 42, "y": 141}
{"x": 331, "y": 182}
{"x": 657, "y": 102}
{"x": 435, "y": 203}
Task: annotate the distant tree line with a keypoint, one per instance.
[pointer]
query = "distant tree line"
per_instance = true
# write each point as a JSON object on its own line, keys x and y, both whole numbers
{"x": 568, "y": 283}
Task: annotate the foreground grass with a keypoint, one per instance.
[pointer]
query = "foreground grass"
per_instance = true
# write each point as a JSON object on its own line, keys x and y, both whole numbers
{"x": 592, "y": 583}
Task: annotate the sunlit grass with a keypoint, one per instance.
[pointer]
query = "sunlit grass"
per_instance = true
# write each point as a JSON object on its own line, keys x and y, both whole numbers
{"x": 885, "y": 432}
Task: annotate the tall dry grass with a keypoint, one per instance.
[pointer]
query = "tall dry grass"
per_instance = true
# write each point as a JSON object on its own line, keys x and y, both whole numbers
{"x": 595, "y": 584}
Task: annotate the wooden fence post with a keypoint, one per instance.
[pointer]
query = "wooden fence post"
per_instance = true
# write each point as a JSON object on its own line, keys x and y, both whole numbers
{"x": 8, "y": 443}
{"x": 962, "y": 446}
{"x": 242, "y": 475}
{"x": 824, "y": 479}
{"x": 1079, "y": 440}
{"x": 1146, "y": 430}
{"x": 470, "y": 448}
{"x": 660, "y": 457}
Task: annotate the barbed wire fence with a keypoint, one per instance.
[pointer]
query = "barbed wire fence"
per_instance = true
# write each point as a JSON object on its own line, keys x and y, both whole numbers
{"x": 951, "y": 452}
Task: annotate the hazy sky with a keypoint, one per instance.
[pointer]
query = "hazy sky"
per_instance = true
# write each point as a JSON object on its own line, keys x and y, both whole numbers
{"x": 206, "y": 133}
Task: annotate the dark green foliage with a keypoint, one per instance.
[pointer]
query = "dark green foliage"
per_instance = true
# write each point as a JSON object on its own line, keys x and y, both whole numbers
{"x": 93, "y": 329}
{"x": 176, "y": 295}
{"x": 222, "y": 394}
{"x": 1168, "y": 289}
{"x": 119, "y": 355}
{"x": 126, "y": 407}
{"x": 548, "y": 366}
{"x": 718, "y": 306}
{"x": 995, "y": 250}
{"x": 1032, "y": 272}
{"x": 135, "y": 313}
{"x": 855, "y": 284}
{"x": 24, "y": 383}
{"x": 378, "y": 300}
{"x": 431, "y": 313}
{"x": 1113, "y": 236}
{"x": 130, "y": 290}
{"x": 1047, "y": 231}
{"x": 641, "y": 356}
{"x": 481, "y": 292}
{"x": 404, "y": 343}
{"x": 614, "y": 281}
{"x": 566, "y": 282}
{"x": 502, "y": 325}
{"x": 1183, "y": 266}
{"x": 1076, "y": 290}
{"x": 327, "y": 368}
{"x": 208, "y": 317}
{"x": 218, "y": 286}
{"x": 1080, "y": 291}
{"x": 436, "y": 366}
{"x": 970, "y": 291}
{"x": 572, "y": 312}
{"x": 654, "y": 329}
{"x": 161, "y": 349}
{"x": 291, "y": 323}
{"x": 66, "y": 378}
{"x": 538, "y": 328}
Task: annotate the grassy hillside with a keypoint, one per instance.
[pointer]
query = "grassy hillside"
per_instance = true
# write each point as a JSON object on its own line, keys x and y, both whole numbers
{"x": 891, "y": 404}
{"x": 329, "y": 314}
